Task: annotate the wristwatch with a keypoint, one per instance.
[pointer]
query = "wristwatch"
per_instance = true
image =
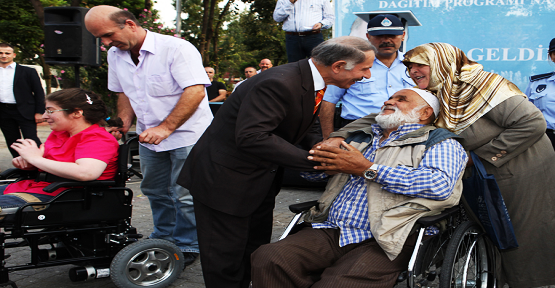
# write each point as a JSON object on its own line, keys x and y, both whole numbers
{"x": 371, "y": 173}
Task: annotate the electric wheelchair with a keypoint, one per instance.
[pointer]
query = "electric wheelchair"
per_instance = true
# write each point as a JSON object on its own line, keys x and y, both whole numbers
{"x": 88, "y": 225}
{"x": 460, "y": 255}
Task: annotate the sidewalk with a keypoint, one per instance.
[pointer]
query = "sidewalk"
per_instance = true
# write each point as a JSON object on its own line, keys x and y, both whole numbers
{"x": 57, "y": 277}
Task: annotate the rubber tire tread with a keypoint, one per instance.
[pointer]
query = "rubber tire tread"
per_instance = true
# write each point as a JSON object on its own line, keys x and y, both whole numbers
{"x": 452, "y": 248}
{"x": 118, "y": 266}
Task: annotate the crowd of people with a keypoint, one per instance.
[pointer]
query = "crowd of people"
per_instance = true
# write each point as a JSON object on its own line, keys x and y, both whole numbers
{"x": 408, "y": 122}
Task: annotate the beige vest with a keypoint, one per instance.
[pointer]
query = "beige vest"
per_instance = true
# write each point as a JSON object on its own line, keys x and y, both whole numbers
{"x": 392, "y": 216}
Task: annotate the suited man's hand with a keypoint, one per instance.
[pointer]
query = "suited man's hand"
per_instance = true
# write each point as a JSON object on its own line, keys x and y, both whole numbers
{"x": 38, "y": 118}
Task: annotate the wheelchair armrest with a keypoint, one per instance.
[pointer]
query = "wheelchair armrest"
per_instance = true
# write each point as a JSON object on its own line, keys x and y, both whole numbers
{"x": 430, "y": 220}
{"x": 300, "y": 207}
{"x": 97, "y": 183}
{"x": 17, "y": 173}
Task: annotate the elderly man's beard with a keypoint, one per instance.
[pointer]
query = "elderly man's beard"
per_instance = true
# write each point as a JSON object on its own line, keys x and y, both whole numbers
{"x": 391, "y": 121}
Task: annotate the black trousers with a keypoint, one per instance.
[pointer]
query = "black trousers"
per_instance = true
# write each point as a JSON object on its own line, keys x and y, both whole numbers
{"x": 226, "y": 242}
{"x": 551, "y": 134}
{"x": 13, "y": 125}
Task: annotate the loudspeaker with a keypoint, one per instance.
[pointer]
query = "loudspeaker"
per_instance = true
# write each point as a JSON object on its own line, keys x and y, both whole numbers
{"x": 66, "y": 40}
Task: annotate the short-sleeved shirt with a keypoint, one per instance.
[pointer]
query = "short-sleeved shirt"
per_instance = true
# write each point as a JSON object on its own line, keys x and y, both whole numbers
{"x": 167, "y": 65}
{"x": 213, "y": 90}
{"x": 542, "y": 93}
{"x": 368, "y": 96}
{"x": 93, "y": 142}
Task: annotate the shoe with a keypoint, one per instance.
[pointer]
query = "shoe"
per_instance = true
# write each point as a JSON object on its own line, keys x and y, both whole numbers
{"x": 189, "y": 258}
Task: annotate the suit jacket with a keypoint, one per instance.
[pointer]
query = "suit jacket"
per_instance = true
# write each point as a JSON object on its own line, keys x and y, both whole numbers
{"x": 28, "y": 92}
{"x": 233, "y": 165}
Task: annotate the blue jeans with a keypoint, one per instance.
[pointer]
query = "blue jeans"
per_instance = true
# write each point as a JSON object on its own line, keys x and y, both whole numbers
{"x": 300, "y": 47}
{"x": 9, "y": 201}
{"x": 172, "y": 205}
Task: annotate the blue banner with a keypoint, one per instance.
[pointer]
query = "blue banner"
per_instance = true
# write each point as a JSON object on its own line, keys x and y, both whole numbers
{"x": 508, "y": 37}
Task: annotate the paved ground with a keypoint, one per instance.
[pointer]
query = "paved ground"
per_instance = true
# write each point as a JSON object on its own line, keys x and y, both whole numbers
{"x": 142, "y": 219}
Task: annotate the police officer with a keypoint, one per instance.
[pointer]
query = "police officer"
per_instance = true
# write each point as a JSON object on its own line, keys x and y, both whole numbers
{"x": 386, "y": 32}
{"x": 541, "y": 91}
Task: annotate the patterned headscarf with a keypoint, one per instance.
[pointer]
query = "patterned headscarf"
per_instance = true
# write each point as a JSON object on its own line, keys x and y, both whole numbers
{"x": 464, "y": 90}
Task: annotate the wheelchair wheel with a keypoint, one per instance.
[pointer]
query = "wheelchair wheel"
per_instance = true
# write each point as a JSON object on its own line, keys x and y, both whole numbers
{"x": 151, "y": 263}
{"x": 467, "y": 262}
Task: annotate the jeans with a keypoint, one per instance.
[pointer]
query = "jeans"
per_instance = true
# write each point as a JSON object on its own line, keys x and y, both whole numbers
{"x": 172, "y": 205}
{"x": 9, "y": 201}
{"x": 300, "y": 47}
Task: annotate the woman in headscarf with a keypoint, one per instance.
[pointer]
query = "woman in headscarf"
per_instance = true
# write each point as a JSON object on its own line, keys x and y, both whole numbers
{"x": 498, "y": 123}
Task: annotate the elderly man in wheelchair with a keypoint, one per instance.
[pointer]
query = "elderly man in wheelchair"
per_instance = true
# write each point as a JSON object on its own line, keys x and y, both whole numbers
{"x": 362, "y": 230}
{"x": 69, "y": 203}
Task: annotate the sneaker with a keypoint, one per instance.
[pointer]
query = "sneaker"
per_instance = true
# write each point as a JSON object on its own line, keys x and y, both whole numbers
{"x": 189, "y": 258}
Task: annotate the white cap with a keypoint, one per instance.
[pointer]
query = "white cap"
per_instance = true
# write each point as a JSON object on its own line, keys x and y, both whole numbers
{"x": 430, "y": 98}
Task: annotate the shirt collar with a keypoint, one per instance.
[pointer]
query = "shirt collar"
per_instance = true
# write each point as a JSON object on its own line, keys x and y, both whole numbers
{"x": 11, "y": 66}
{"x": 319, "y": 83}
{"x": 148, "y": 44}
{"x": 398, "y": 60}
{"x": 401, "y": 130}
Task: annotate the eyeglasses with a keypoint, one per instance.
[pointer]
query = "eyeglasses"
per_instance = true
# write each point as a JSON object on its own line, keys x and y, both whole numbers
{"x": 49, "y": 112}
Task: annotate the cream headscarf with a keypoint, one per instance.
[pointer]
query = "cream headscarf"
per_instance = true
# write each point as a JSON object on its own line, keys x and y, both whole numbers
{"x": 464, "y": 90}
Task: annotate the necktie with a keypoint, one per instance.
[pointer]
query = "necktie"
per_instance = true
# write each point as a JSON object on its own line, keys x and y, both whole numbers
{"x": 318, "y": 100}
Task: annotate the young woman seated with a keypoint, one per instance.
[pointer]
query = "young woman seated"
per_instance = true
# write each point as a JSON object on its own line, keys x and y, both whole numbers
{"x": 78, "y": 148}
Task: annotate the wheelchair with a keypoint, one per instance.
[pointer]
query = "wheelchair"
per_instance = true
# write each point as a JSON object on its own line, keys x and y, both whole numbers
{"x": 460, "y": 255}
{"x": 87, "y": 225}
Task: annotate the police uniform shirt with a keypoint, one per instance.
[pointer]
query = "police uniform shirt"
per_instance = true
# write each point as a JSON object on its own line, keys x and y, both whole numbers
{"x": 541, "y": 92}
{"x": 367, "y": 96}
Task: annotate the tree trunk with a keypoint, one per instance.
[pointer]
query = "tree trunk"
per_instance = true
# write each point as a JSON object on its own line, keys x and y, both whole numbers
{"x": 204, "y": 28}
{"x": 148, "y": 4}
{"x": 216, "y": 36}
{"x": 46, "y": 74}
{"x": 39, "y": 10}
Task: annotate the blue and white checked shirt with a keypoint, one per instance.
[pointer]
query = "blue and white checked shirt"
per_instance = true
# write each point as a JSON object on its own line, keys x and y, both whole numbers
{"x": 301, "y": 16}
{"x": 434, "y": 178}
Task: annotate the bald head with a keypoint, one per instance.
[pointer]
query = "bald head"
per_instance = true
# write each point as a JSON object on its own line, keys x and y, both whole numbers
{"x": 115, "y": 27}
{"x": 210, "y": 72}
{"x": 265, "y": 64}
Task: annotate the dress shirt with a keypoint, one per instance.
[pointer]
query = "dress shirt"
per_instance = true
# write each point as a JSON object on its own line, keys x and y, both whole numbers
{"x": 367, "y": 96}
{"x": 304, "y": 14}
{"x": 434, "y": 178}
{"x": 542, "y": 94}
{"x": 6, "y": 84}
{"x": 167, "y": 65}
{"x": 319, "y": 83}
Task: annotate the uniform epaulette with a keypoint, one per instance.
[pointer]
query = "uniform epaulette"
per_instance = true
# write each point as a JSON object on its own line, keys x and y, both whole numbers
{"x": 541, "y": 76}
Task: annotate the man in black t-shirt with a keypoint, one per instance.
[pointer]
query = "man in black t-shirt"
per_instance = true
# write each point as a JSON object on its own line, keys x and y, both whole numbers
{"x": 217, "y": 91}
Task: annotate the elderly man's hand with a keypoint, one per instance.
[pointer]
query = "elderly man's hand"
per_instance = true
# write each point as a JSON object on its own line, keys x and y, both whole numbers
{"x": 349, "y": 161}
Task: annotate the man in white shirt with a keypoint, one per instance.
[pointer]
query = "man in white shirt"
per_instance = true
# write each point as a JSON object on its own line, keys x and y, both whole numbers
{"x": 249, "y": 72}
{"x": 21, "y": 99}
{"x": 160, "y": 80}
{"x": 303, "y": 21}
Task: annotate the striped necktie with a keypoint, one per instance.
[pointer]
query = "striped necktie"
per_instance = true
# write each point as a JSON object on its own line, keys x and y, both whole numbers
{"x": 318, "y": 100}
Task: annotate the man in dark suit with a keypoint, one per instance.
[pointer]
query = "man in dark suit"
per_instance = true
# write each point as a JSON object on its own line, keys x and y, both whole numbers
{"x": 235, "y": 170}
{"x": 21, "y": 99}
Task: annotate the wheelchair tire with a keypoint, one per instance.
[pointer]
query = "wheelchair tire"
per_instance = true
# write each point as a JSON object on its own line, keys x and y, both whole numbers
{"x": 468, "y": 261}
{"x": 153, "y": 263}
